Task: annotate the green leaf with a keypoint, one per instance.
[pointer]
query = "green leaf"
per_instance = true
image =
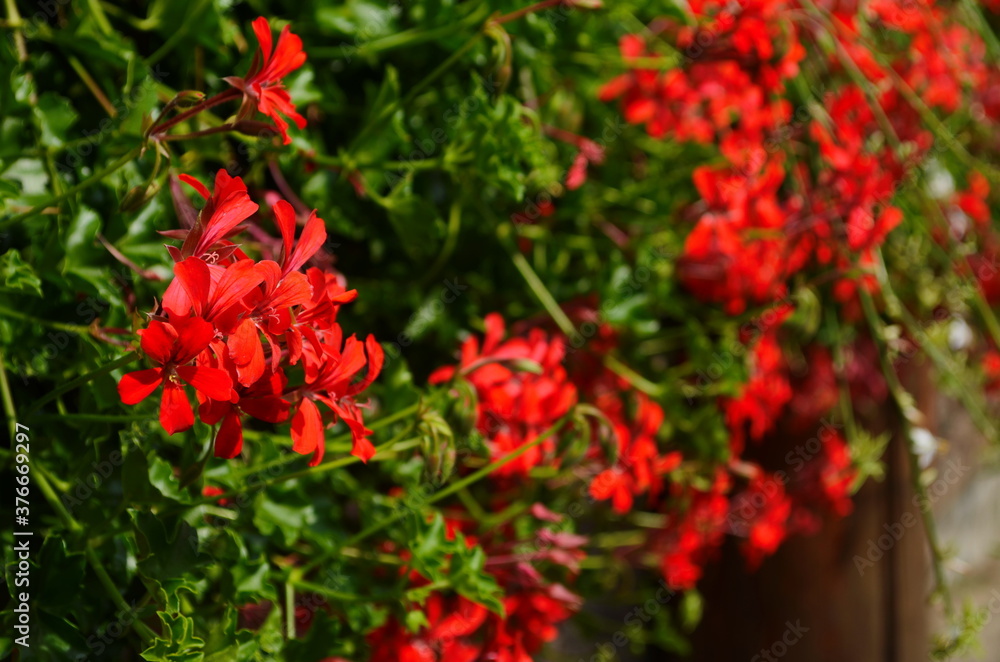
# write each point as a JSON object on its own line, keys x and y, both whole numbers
{"x": 168, "y": 555}
{"x": 288, "y": 517}
{"x": 55, "y": 117}
{"x": 452, "y": 562}
{"x": 180, "y": 643}
{"x": 230, "y": 644}
{"x": 15, "y": 274}
{"x": 62, "y": 579}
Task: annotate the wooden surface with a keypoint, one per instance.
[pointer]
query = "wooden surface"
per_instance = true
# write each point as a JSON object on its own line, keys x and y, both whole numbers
{"x": 876, "y": 613}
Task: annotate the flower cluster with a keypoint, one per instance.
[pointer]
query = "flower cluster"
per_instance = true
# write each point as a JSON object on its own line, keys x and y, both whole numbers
{"x": 759, "y": 221}
{"x": 768, "y": 508}
{"x": 456, "y": 629}
{"x": 522, "y": 390}
{"x": 233, "y": 328}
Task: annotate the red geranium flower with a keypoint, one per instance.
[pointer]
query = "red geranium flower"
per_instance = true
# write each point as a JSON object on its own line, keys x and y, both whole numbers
{"x": 329, "y": 382}
{"x": 224, "y": 210}
{"x": 263, "y": 87}
{"x": 261, "y": 400}
{"x": 173, "y": 345}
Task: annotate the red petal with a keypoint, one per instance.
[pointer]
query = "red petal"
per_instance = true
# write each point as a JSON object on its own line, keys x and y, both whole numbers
{"x": 270, "y": 408}
{"x": 213, "y": 382}
{"x": 307, "y": 432}
{"x": 293, "y": 290}
{"x": 158, "y": 340}
{"x": 310, "y": 241}
{"x": 229, "y": 441}
{"x": 232, "y": 206}
{"x": 237, "y": 281}
{"x": 262, "y": 29}
{"x": 212, "y": 411}
{"x": 194, "y": 335}
{"x": 494, "y": 332}
{"x": 284, "y": 218}
{"x": 376, "y": 358}
{"x": 246, "y": 350}
{"x": 176, "y": 414}
{"x": 441, "y": 375}
{"x": 136, "y": 386}
{"x": 196, "y": 185}
{"x": 196, "y": 278}
{"x": 362, "y": 448}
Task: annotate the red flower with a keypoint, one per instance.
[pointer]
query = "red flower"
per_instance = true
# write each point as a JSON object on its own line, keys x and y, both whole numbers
{"x": 640, "y": 467}
{"x": 516, "y": 403}
{"x": 262, "y": 400}
{"x": 263, "y": 86}
{"x": 329, "y": 381}
{"x": 173, "y": 345}
{"x": 214, "y": 293}
{"x": 760, "y": 514}
{"x": 268, "y": 307}
{"x": 225, "y": 208}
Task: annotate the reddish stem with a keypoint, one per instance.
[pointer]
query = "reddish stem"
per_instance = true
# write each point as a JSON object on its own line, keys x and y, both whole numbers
{"x": 537, "y": 7}
{"x": 211, "y": 102}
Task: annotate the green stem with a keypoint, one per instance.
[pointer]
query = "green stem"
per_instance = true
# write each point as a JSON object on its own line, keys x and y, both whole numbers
{"x": 632, "y": 377}
{"x": 454, "y": 227}
{"x": 903, "y": 402}
{"x": 289, "y": 610}
{"x": 16, "y": 23}
{"x": 332, "y": 445}
{"x": 96, "y": 178}
{"x": 8, "y": 400}
{"x": 92, "y": 85}
{"x": 179, "y": 32}
{"x": 61, "y": 326}
{"x": 94, "y": 7}
{"x": 319, "y": 589}
{"x": 95, "y": 563}
{"x": 464, "y": 482}
{"x": 411, "y": 37}
{"x": 386, "y": 451}
{"x": 448, "y": 491}
{"x": 79, "y": 381}
{"x": 504, "y": 232}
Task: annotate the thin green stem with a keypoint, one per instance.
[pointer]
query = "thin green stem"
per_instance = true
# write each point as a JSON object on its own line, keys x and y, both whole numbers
{"x": 96, "y": 178}
{"x": 632, "y": 377}
{"x": 463, "y": 483}
{"x": 289, "y": 610}
{"x": 178, "y": 34}
{"x": 904, "y": 403}
{"x": 80, "y": 381}
{"x": 97, "y": 12}
{"x": 454, "y": 228}
{"x": 504, "y": 232}
{"x": 41, "y": 479}
{"x": 319, "y": 589}
{"x": 386, "y": 451}
{"x": 61, "y": 326}
{"x": 16, "y": 23}
{"x": 8, "y": 400}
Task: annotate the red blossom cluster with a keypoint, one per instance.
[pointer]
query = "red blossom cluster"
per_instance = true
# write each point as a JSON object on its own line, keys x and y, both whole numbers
{"x": 262, "y": 90}
{"x": 233, "y": 328}
{"x": 760, "y": 221}
{"x": 458, "y": 630}
{"x": 263, "y": 87}
{"x": 771, "y": 506}
{"x": 522, "y": 390}
{"x": 768, "y": 507}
